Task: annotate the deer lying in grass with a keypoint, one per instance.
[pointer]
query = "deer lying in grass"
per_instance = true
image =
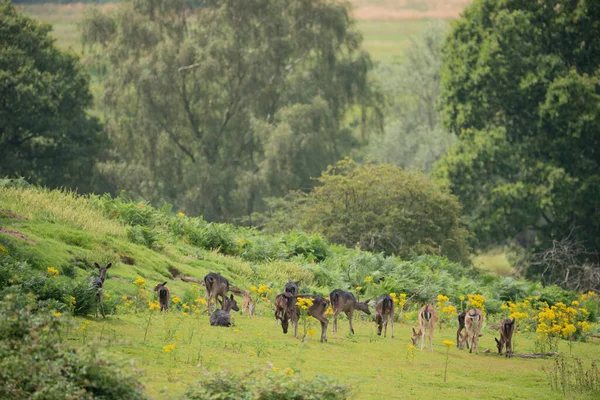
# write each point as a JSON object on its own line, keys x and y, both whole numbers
{"x": 291, "y": 287}
{"x": 473, "y": 322}
{"x": 506, "y": 333}
{"x": 286, "y": 310}
{"x": 427, "y": 320}
{"x": 163, "y": 296}
{"x": 384, "y": 312}
{"x": 223, "y": 317}
{"x": 97, "y": 285}
{"x": 342, "y": 301}
{"x": 216, "y": 285}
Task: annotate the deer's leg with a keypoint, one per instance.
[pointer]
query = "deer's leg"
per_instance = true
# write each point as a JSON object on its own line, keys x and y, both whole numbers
{"x": 335, "y": 317}
{"x": 423, "y": 338}
{"x": 295, "y": 322}
{"x": 385, "y": 322}
{"x": 392, "y": 322}
{"x": 349, "y": 314}
{"x": 324, "y": 322}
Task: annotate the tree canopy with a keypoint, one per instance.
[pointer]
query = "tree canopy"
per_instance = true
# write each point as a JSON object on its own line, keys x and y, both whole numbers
{"x": 45, "y": 132}
{"x": 214, "y": 108}
{"x": 521, "y": 89}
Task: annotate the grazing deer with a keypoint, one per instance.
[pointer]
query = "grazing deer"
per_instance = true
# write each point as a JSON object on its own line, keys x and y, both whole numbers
{"x": 427, "y": 320}
{"x": 384, "y": 312}
{"x": 223, "y": 317}
{"x": 216, "y": 285}
{"x": 97, "y": 285}
{"x": 461, "y": 325}
{"x": 291, "y": 287}
{"x": 286, "y": 310}
{"x": 506, "y": 333}
{"x": 342, "y": 301}
{"x": 473, "y": 322}
{"x": 163, "y": 296}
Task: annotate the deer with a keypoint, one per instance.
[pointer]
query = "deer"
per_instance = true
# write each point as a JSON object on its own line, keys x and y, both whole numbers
{"x": 461, "y": 325}
{"x": 223, "y": 317}
{"x": 97, "y": 285}
{"x": 474, "y": 319}
{"x": 291, "y": 287}
{"x": 216, "y": 285}
{"x": 342, "y": 301}
{"x": 507, "y": 329}
{"x": 163, "y": 296}
{"x": 286, "y": 310}
{"x": 384, "y": 312}
{"x": 427, "y": 320}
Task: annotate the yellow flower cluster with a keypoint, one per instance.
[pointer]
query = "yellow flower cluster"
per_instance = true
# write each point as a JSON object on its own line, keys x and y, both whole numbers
{"x": 3, "y": 250}
{"x": 180, "y": 214}
{"x": 402, "y": 300}
{"x": 57, "y": 314}
{"x": 368, "y": 279}
{"x": 557, "y": 321}
{"x": 176, "y": 300}
{"x": 476, "y": 301}
{"x": 140, "y": 282}
{"x": 304, "y": 303}
{"x": 168, "y": 348}
{"x": 288, "y": 371}
{"x": 263, "y": 289}
{"x": 201, "y": 301}
{"x": 311, "y": 332}
{"x": 52, "y": 271}
{"x": 153, "y": 305}
{"x": 588, "y": 296}
{"x": 394, "y": 297}
{"x": 447, "y": 310}
{"x": 448, "y": 343}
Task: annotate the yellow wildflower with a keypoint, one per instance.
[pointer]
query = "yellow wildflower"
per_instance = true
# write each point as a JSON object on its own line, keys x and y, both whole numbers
{"x": 57, "y": 314}
{"x": 153, "y": 305}
{"x": 288, "y": 371}
{"x": 358, "y": 288}
{"x": 52, "y": 271}
{"x": 311, "y": 332}
{"x": 253, "y": 288}
{"x": 368, "y": 279}
{"x": 124, "y": 298}
{"x": 176, "y": 300}
{"x": 180, "y": 214}
{"x": 448, "y": 343}
{"x": 141, "y": 282}
{"x": 168, "y": 348}
{"x": 575, "y": 303}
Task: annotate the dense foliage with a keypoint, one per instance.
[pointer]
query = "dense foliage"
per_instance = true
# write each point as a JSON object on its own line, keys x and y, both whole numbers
{"x": 218, "y": 107}
{"x": 521, "y": 89}
{"x": 45, "y": 132}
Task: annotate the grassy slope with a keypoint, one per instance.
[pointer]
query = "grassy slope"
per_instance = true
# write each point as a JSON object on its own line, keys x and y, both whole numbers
{"x": 65, "y": 226}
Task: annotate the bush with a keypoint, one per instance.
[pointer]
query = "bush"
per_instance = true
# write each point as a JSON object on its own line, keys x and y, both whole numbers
{"x": 34, "y": 364}
{"x": 145, "y": 236}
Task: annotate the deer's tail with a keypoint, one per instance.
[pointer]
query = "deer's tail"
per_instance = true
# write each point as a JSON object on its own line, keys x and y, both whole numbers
{"x": 388, "y": 305}
{"x": 163, "y": 296}
{"x": 208, "y": 281}
{"x": 334, "y": 297}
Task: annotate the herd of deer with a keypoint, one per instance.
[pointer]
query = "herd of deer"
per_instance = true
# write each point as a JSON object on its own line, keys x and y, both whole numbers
{"x": 286, "y": 311}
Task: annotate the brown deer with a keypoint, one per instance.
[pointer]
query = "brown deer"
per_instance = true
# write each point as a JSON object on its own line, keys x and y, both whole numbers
{"x": 216, "y": 285}
{"x": 461, "y": 325}
{"x": 287, "y": 311}
{"x": 163, "y": 296}
{"x": 506, "y": 333}
{"x": 384, "y": 312}
{"x": 97, "y": 285}
{"x": 427, "y": 320}
{"x": 474, "y": 320}
{"x": 223, "y": 317}
{"x": 291, "y": 287}
{"x": 342, "y": 301}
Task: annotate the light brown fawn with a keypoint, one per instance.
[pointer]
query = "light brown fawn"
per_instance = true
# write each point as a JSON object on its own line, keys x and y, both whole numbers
{"x": 427, "y": 319}
{"x": 474, "y": 320}
{"x": 506, "y": 333}
{"x": 384, "y": 313}
{"x": 342, "y": 301}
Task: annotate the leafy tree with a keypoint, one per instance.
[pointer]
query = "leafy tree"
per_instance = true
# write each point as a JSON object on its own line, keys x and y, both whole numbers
{"x": 45, "y": 133}
{"x": 521, "y": 89}
{"x": 383, "y": 208}
{"x": 215, "y": 108}
{"x": 414, "y": 136}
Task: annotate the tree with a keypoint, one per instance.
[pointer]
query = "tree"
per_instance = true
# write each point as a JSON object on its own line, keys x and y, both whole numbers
{"x": 414, "y": 136}
{"x": 521, "y": 89}
{"x": 215, "y": 108}
{"x": 383, "y": 208}
{"x": 45, "y": 133}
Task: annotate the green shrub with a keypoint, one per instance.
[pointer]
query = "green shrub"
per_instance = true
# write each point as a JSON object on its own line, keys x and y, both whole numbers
{"x": 215, "y": 236}
{"x": 145, "y": 236}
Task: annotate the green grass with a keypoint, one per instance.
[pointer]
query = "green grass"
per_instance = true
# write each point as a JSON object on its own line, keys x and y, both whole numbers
{"x": 494, "y": 262}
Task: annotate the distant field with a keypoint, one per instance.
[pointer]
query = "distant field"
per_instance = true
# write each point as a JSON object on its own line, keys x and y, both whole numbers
{"x": 386, "y": 24}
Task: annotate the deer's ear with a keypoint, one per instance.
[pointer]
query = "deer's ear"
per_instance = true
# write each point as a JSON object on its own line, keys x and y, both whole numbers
{"x": 96, "y": 265}
{"x": 497, "y": 341}
{"x": 231, "y": 297}
{"x": 164, "y": 283}
{"x": 414, "y": 332}
{"x": 108, "y": 265}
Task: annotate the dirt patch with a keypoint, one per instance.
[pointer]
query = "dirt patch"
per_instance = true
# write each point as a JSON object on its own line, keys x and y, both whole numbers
{"x": 125, "y": 259}
{"x": 12, "y": 215}
{"x": 174, "y": 272}
{"x": 16, "y": 234}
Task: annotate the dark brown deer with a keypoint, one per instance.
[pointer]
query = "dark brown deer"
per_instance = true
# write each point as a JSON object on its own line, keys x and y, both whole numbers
{"x": 291, "y": 287}
{"x": 384, "y": 312}
{"x": 427, "y": 320}
{"x": 223, "y": 317}
{"x": 163, "y": 296}
{"x": 474, "y": 320}
{"x": 287, "y": 311}
{"x": 97, "y": 285}
{"x": 342, "y": 301}
{"x": 461, "y": 325}
{"x": 506, "y": 333}
{"x": 216, "y": 285}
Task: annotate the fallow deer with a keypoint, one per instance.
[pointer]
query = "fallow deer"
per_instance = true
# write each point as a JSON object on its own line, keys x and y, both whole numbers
{"x": 384, "y": 312}
{"x": 163, "y": 296}
{"x": 223, "y": 317}
{"x": 216, "y": 285}
{"x": 427, "y": 320}
{"x": 291, "y": 287}
{"x": 506, "y": 333}
{"x": 342, "y": 301}
{"x": 474, "y": 320}
{"x": 287, "y": 311}
{"x": 97, "y": 285}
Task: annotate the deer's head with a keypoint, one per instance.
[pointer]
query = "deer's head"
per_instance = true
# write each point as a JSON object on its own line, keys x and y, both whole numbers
{"x": 103, "y": 270}
{"x": 416, "y": 336}
{"x": 230, "y": 304}
{"x": 363, "y": 306}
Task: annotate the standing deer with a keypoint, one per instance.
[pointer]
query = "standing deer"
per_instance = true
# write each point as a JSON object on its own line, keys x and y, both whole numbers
{"x": 506, "y": 333}
{"x": 461, "y": 325}
{"x": 286, "y": 310}
{"x": 223, "y": 317}
{"x": 216, "y": 285}
{"x": 342, "y": 301}
{"x": 473, "y": 322}
{"x": 427, "y": 320}
{"x": 97, "y": 285}
{"x": 291, "y": 287}
{"x": 163, "y": 296}
{"x": 384, "y": 312}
